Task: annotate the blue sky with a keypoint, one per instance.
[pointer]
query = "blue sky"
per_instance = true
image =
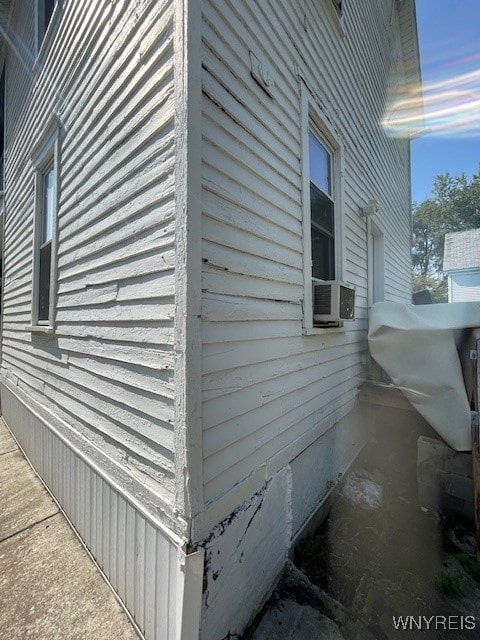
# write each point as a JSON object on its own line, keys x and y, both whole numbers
{"x": 449, "y": 37}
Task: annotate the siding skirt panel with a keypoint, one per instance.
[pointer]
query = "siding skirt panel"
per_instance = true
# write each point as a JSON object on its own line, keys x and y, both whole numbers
{"x": 119, "y": 534}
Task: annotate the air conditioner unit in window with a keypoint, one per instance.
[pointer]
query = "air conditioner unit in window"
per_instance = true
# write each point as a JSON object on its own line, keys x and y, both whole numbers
{"x": 333, "y": 301}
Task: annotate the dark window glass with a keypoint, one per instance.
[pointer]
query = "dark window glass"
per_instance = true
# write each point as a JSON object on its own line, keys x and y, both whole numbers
{"x": 44, "y": 281}
{"x": 49, "y": 6}
{"x": 323, "y": 257}
{"x": 322, "y": 211}
{"x": 46, "y": 235}
{"x": 45, "y": 13}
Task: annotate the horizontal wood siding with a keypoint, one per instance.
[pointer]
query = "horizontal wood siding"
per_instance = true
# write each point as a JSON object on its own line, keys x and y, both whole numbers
{"x": 265, "y": 385}
{"x": 107, "y": 70}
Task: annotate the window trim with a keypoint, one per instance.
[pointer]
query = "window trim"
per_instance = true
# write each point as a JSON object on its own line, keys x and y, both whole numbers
{"x": 312, "y": 119}
{"x": 44, "y": 36}
{"x": 46, "y": 155}
{"x": 376, "y": 262}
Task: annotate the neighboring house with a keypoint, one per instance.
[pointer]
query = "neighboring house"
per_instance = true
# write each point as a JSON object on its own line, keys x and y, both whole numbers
{"x": 461, "y": 263}
{"x": 176, "y": 173}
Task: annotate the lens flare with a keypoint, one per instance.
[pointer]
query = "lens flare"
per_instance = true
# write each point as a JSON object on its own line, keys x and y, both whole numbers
{"x": 442, "y": 107}
{"x": 18, "y": 47}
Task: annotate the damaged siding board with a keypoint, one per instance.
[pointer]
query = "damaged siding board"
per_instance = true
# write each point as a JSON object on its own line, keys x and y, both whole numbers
{"x": 234, "y": 551}
{"x": 264, "y": 384}
{"x": 109, "y": 368}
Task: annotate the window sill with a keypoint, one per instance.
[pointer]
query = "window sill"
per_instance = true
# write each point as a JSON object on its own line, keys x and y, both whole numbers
{"x": 40, "y": 328}
{"x": 316, "y": 331}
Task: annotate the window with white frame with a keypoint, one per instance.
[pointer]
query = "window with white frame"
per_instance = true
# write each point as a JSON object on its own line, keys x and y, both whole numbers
{"x": 46, "y": 216}
{"x": 45, "y": 225}
{"x": 322, "y": 187}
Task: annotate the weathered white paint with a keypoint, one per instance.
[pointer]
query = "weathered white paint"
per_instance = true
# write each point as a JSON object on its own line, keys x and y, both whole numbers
{"x": 107, "y": 74}
{"x": 143, "y": 560}
{"x": 464, "y": 286}
{"x": 265, "y": 384}
{"x": 180, "y": 373}
{"x": 311, "y": 116}
{"x": 245, "y": 553}
{"x": 244, "y": 556}
{"x": 188, "y": 343}
{"x": 100, "y": 405}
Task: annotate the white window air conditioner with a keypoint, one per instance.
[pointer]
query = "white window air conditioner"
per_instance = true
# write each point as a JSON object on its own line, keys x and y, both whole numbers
{"x": 333, "y": 301}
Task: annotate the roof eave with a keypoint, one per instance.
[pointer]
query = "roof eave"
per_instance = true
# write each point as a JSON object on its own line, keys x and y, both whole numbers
{"x": 411, "y": 51}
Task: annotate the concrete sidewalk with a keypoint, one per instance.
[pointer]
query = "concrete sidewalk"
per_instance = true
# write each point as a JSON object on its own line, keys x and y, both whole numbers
{"x": 49, "y": 587}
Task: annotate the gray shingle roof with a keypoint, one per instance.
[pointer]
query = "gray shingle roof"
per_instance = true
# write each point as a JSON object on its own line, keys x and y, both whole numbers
{"x": 462, "y": 250}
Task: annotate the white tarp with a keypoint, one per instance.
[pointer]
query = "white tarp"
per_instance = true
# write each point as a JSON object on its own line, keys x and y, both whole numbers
{"x": 415, "y": 345}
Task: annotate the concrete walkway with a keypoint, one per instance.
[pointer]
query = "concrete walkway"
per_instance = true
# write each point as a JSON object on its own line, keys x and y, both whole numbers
{"x": 49, "y": 587}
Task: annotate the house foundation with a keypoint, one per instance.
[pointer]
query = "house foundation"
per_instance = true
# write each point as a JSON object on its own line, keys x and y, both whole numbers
{"x": 246, "y": 552}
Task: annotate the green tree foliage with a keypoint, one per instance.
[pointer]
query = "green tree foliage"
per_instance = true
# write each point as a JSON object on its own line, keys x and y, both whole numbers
{"x": 437, "y": 286}
{"x": 454, "y": 206}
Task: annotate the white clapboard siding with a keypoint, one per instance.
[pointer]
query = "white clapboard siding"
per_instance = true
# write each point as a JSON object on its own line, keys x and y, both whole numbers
{"x": 264, "y": 383}
{"x": 107, "y": 71}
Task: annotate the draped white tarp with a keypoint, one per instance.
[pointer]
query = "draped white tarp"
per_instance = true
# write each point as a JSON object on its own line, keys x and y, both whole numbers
{"x": 415, "y": 346}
